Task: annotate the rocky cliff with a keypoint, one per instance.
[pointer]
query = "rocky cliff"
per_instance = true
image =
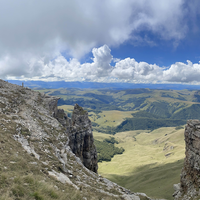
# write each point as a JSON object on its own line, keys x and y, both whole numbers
{"x": 79, "y": 131}
{"x": 189, "y": 187}
{"x": 44, "y": 153}
{"x": 81, "y": 138}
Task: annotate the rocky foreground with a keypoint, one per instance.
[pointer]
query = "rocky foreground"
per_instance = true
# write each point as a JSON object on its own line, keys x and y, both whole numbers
{"x": 189, "y": 187}
{"x": 40, "y": 144}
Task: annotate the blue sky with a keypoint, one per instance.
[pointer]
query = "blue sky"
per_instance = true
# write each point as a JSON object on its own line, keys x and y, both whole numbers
{"x": 164, "y": 54}
{"x": 144, "y": 41}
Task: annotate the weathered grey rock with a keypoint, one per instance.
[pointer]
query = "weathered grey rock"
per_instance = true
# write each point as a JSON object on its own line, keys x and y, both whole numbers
{"x": 26, "y": 145}
{"x": 79, "y": 131}
{"x": 81, "y": 138}
{"x": 62, "y": 178}
{"x": 52, "y": 105}
{"x": 190, "y": 175}
{"x": 130, "y": 197}
{"x": 62, "y": 118}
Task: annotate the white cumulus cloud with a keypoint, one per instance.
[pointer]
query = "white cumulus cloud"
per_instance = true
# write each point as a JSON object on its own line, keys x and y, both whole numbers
{"x": 183, "y": 73}
{"x": 101, "y": 70}
{"x": 134, "y": 71}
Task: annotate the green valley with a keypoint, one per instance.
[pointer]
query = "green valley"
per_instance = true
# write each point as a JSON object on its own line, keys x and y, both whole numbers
{"x": 151, "y": 162}
{"x": 139, "y": 133}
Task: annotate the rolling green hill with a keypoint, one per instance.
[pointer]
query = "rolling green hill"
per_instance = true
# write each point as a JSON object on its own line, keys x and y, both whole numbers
{"x": 151, "y": 162}
{"x": 162, "y": 108}
{"x": 164, "y": 103}
{"x": 145, "y": 123}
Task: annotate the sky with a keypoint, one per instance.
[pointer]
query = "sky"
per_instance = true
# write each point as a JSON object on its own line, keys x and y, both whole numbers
{"x": 146, "y": 41}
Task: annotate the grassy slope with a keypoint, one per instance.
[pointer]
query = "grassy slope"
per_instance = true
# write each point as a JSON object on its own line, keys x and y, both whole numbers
{"x": 22, "y": 176}
{"x": 154, "y": 180}
{"x": 67, "y": 108}
{"x": 145, "y": 166}
{"x": 110, "y": 118}
{"x": 100, "y": 136}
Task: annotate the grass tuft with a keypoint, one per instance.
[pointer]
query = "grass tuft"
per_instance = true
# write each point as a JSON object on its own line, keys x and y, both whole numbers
{"x": 18, "y": 191}
{"x": 38, "y": 196}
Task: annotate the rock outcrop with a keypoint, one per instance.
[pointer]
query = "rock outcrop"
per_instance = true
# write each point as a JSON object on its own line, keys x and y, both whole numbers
{"x": 81, "y": 138}
{"x": 189, "y": 186}
{"x": 79, "y": 131}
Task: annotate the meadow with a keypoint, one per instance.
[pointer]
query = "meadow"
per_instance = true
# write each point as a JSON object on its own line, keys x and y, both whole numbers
{"x": 148, "y": 125}
{"x": 151, "y": 163}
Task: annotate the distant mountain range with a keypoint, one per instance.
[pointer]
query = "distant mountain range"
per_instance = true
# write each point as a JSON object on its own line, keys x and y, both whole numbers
{"x": 96, "y": 85}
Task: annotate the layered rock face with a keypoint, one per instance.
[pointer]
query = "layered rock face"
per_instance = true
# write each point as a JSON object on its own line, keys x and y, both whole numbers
{"x": 81, "y": 138}
{"x": 189, "y": 188}
{"x": 79, "y": 130}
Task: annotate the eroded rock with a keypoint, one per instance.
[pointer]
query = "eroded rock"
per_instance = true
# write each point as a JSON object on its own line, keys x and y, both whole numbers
{"x": 79, "y": 131}
{"x": 190, "y": 175}
{"x": 81, "y": 138}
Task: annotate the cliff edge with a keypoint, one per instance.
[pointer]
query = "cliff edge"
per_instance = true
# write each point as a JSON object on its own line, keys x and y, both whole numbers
{"x": 79, "y": 131}
{"x": 189, "y": 186}
{"x": 81, "y": 138}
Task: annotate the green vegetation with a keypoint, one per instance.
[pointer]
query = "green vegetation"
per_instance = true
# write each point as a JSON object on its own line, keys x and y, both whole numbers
{"x": 141, "y": 120}
{"x": 179, "y": 127}
{"x": 110, "y": 110}
{"x": 111, "y": 140}
{"x": 145, "y": 165}
{"x": 95, "y": 124}
{"x": 92, "y": 104}
{"x": 165, "y": 101}
{"x": 147, "y": 124}
{"x": 191, "y": 112}
{"x": 106, "y": 149}
{"x": 107, "y": 120}
{"x": 107, "y": 130}
{"x": 156, "y": 181}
